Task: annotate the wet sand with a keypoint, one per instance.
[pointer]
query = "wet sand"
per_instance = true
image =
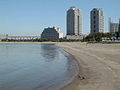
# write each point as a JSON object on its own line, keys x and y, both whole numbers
{"x": 99, "y": 66}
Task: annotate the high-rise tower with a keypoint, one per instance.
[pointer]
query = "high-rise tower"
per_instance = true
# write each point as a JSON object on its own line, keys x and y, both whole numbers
{"x": 97, "y": 20}
{"x": 119, "y": 26}
{"x": 74, "y": 21}
{"x": 113, "y": 27}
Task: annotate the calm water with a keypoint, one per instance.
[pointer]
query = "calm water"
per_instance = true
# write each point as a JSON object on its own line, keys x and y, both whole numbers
{"x": 28, "y": 66}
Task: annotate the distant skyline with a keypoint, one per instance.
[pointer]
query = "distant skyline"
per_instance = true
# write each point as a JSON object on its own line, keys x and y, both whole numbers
{"x": 22, "y": 17}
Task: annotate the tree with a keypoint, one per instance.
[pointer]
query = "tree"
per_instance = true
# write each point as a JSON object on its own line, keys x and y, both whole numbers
{"x": 98, "y": 36}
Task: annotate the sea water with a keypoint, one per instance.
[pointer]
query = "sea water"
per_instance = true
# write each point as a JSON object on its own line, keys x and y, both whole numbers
{"x": 34, "y": 66}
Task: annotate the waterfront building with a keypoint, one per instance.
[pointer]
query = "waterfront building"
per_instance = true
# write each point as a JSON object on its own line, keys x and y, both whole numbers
{"x": 119, "y": 26}
{"x": 75, "y": 37}
{"x": 51, "y": 33}
{"x": 74, "y": 21}
{"x": 97, "y": 20}
{"x": 113, "y": 27}
{"x": 3, "y": 36}
{"x": 23, "y": 37}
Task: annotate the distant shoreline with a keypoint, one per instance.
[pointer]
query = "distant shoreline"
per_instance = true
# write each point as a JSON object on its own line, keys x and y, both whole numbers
{"x": 31, "y": 42}
{"x": 54, "y": 42}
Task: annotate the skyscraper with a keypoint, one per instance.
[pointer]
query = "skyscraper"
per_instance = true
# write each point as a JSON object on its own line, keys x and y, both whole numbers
{"x": 113, "y": 27}
{"x": 74, "y": 21}
{"x": 119, "y": 26}
{"x": 97, "y": 20}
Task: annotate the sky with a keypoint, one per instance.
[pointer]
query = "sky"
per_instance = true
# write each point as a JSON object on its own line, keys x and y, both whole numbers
{"x": 30, "y": 17}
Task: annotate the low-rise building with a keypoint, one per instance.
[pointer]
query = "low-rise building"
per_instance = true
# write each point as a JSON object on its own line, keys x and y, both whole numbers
{"x": 76, "y": 37}
{"x": 51, "y": 33}
{"x": 3, "y": 36}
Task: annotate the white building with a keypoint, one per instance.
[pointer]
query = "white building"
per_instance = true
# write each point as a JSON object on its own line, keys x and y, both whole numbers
{"x": 3, "y": 36}
{"x": 75, "y": 37}
{"x": 74, "y": 21}
{"x": 113, "y": 27}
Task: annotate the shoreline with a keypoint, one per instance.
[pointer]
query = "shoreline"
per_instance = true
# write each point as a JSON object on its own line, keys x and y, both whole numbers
{"x": 76, "y": 78}
{"x": 99, "y": 64}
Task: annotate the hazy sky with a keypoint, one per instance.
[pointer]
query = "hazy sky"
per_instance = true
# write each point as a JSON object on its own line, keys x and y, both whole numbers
{"x": 32, "y": 16}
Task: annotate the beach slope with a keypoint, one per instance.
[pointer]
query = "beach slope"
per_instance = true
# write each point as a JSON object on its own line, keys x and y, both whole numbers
{"x": 99, "y": 65}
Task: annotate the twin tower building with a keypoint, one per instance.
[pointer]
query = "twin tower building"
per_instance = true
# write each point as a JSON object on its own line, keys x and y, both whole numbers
{"x": 74, "y": 21}
{"x": 74, "y": 25}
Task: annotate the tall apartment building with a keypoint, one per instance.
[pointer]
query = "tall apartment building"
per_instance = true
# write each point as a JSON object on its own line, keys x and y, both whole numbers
{"x": 74, "y": 21}
{"x": 119, "y": 26}
{"x": 97, "y": 20}
{"x": 113, "y": 27}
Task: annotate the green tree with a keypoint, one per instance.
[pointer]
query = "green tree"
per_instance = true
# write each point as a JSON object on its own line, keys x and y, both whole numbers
{"x": 98, "y": 36}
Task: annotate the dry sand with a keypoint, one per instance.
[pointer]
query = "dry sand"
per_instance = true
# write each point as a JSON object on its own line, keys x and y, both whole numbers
{"x": 99, "y": 64}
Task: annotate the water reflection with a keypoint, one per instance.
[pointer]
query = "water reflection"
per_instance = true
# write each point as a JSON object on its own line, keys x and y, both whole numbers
{"x": 72, "y": 69}
{"x": 34, "y": 66}
{"x": 49, "y": 52}
{"x": 4, "y": 49}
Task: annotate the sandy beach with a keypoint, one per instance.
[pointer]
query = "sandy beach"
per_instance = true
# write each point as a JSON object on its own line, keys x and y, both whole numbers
{"x": 99, "y": 66}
